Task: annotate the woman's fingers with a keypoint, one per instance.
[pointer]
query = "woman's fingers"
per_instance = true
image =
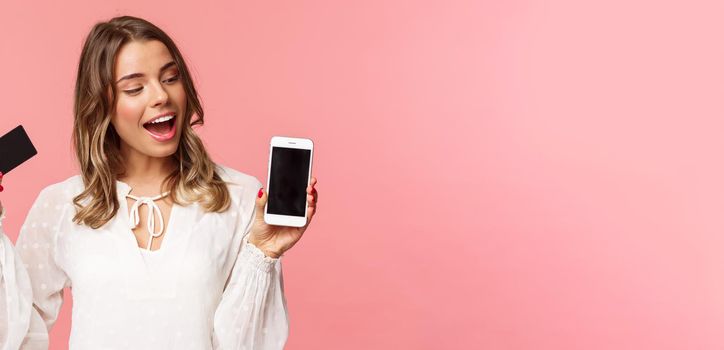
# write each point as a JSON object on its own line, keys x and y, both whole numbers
{"x": 312, "y": 196}
{"x": 312, "y": 199}
{"x": 310, "y": 215}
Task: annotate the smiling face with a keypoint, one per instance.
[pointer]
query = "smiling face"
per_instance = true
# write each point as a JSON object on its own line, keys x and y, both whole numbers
{"x": 149, "y": 86}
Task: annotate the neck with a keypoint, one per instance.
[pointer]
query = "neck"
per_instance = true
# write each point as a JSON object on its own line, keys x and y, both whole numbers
{"x": 145, "y": 173}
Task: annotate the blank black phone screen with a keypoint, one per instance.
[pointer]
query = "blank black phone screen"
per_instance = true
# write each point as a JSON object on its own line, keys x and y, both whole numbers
{"x": 288, "y": 180}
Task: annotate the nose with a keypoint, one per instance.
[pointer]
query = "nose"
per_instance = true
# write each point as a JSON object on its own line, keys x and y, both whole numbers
{"x": 161, "y": 97}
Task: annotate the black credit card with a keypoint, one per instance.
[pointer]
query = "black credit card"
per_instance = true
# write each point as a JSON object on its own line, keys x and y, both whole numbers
{"x": 15, "y": 149}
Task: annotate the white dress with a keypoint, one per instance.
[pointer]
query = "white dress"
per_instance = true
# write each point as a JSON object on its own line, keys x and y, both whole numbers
{"x": 205, "y": 288}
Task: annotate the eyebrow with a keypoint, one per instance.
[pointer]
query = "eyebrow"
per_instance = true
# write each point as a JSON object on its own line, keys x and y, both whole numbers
{"x": 137, "y": 75}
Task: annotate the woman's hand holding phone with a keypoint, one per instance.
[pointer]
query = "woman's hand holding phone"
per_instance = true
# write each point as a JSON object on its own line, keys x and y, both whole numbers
{"x": 274, "y": 240}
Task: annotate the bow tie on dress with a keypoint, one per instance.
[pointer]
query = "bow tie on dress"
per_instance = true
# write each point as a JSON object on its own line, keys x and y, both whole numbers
{"x": 153, "y": 209}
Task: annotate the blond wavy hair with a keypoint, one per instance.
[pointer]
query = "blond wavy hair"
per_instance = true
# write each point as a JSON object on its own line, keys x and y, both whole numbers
{"x": 97, "y": 144}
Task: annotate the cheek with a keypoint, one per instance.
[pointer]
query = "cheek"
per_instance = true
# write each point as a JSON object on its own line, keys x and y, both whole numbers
{"x": 128, "y": 114}
{"x": 179, "y": 96}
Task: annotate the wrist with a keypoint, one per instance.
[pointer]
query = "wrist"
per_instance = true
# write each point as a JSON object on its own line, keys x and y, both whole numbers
{"x": 268, "y": 251}
{"x": 270, "y": 254}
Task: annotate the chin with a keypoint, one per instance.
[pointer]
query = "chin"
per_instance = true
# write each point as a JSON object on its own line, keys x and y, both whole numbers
{"x": 168, "y": 153}
{"x": 162, "y": 151}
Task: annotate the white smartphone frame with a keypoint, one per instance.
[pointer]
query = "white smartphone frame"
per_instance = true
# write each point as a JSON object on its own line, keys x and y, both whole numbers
{"x": 288, "y": 142}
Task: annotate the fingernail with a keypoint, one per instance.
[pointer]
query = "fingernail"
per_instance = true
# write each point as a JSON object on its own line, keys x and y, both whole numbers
{"x": 1, "y": 188}
{"x": 261, "y": 192}
{"x": 1, "y": 174}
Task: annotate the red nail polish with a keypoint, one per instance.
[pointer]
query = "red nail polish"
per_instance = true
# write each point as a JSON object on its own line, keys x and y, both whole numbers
{"x": 1, "y": 188}
{"x": 261, "y": 192}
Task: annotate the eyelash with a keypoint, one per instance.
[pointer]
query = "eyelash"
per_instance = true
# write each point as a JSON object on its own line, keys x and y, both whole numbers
{"x": 135, "y": 91}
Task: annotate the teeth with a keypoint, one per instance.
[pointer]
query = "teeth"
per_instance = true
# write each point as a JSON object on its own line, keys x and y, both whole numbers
{"x": 163, "y": 119}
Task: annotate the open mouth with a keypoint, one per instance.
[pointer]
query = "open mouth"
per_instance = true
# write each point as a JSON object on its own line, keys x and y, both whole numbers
{"x": 162, "y": 128}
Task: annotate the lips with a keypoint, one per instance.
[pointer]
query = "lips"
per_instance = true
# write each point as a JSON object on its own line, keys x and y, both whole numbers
{"x": 162, "y": 128}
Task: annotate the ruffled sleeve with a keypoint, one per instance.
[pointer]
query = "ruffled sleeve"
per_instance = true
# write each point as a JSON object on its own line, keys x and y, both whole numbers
{"x": 252, "y": 313}
{"x": 15, "y": 295}
{"x": 36, "y": 246}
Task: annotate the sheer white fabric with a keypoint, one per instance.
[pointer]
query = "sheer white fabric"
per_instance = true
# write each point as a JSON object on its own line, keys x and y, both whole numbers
{"x": 205, "y": 288}
{"x": 15, "y": 295}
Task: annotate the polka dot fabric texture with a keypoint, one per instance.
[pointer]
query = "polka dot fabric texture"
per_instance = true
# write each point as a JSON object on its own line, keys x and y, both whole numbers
{"x": 207, "y": 287}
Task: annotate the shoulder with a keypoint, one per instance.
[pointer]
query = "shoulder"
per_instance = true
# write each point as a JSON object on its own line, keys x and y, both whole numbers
{"x": 235, "y": 177}
{"x": 56, "y": 197}
{"x": 62, "y": 191}
{"x": 239, "y": 184}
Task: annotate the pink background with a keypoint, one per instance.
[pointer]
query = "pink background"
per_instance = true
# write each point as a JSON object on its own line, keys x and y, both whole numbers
{"x": 492, "y": 174}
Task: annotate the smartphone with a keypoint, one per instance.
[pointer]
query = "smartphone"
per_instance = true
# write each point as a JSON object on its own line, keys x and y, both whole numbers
{"x": 15, "y": 149}
{"x": 289, "y": 174}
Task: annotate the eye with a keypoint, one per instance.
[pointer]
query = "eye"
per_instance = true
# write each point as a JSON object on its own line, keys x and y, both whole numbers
{"x": 134, "y": 91}
{"x": 172, "y": 79}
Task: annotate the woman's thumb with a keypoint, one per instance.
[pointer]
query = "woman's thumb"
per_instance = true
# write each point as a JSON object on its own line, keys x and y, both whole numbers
{"x": 260, "y": 203}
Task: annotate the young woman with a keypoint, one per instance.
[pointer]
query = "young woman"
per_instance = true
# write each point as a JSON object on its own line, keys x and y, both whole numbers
{"x": 163, "y": 248}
